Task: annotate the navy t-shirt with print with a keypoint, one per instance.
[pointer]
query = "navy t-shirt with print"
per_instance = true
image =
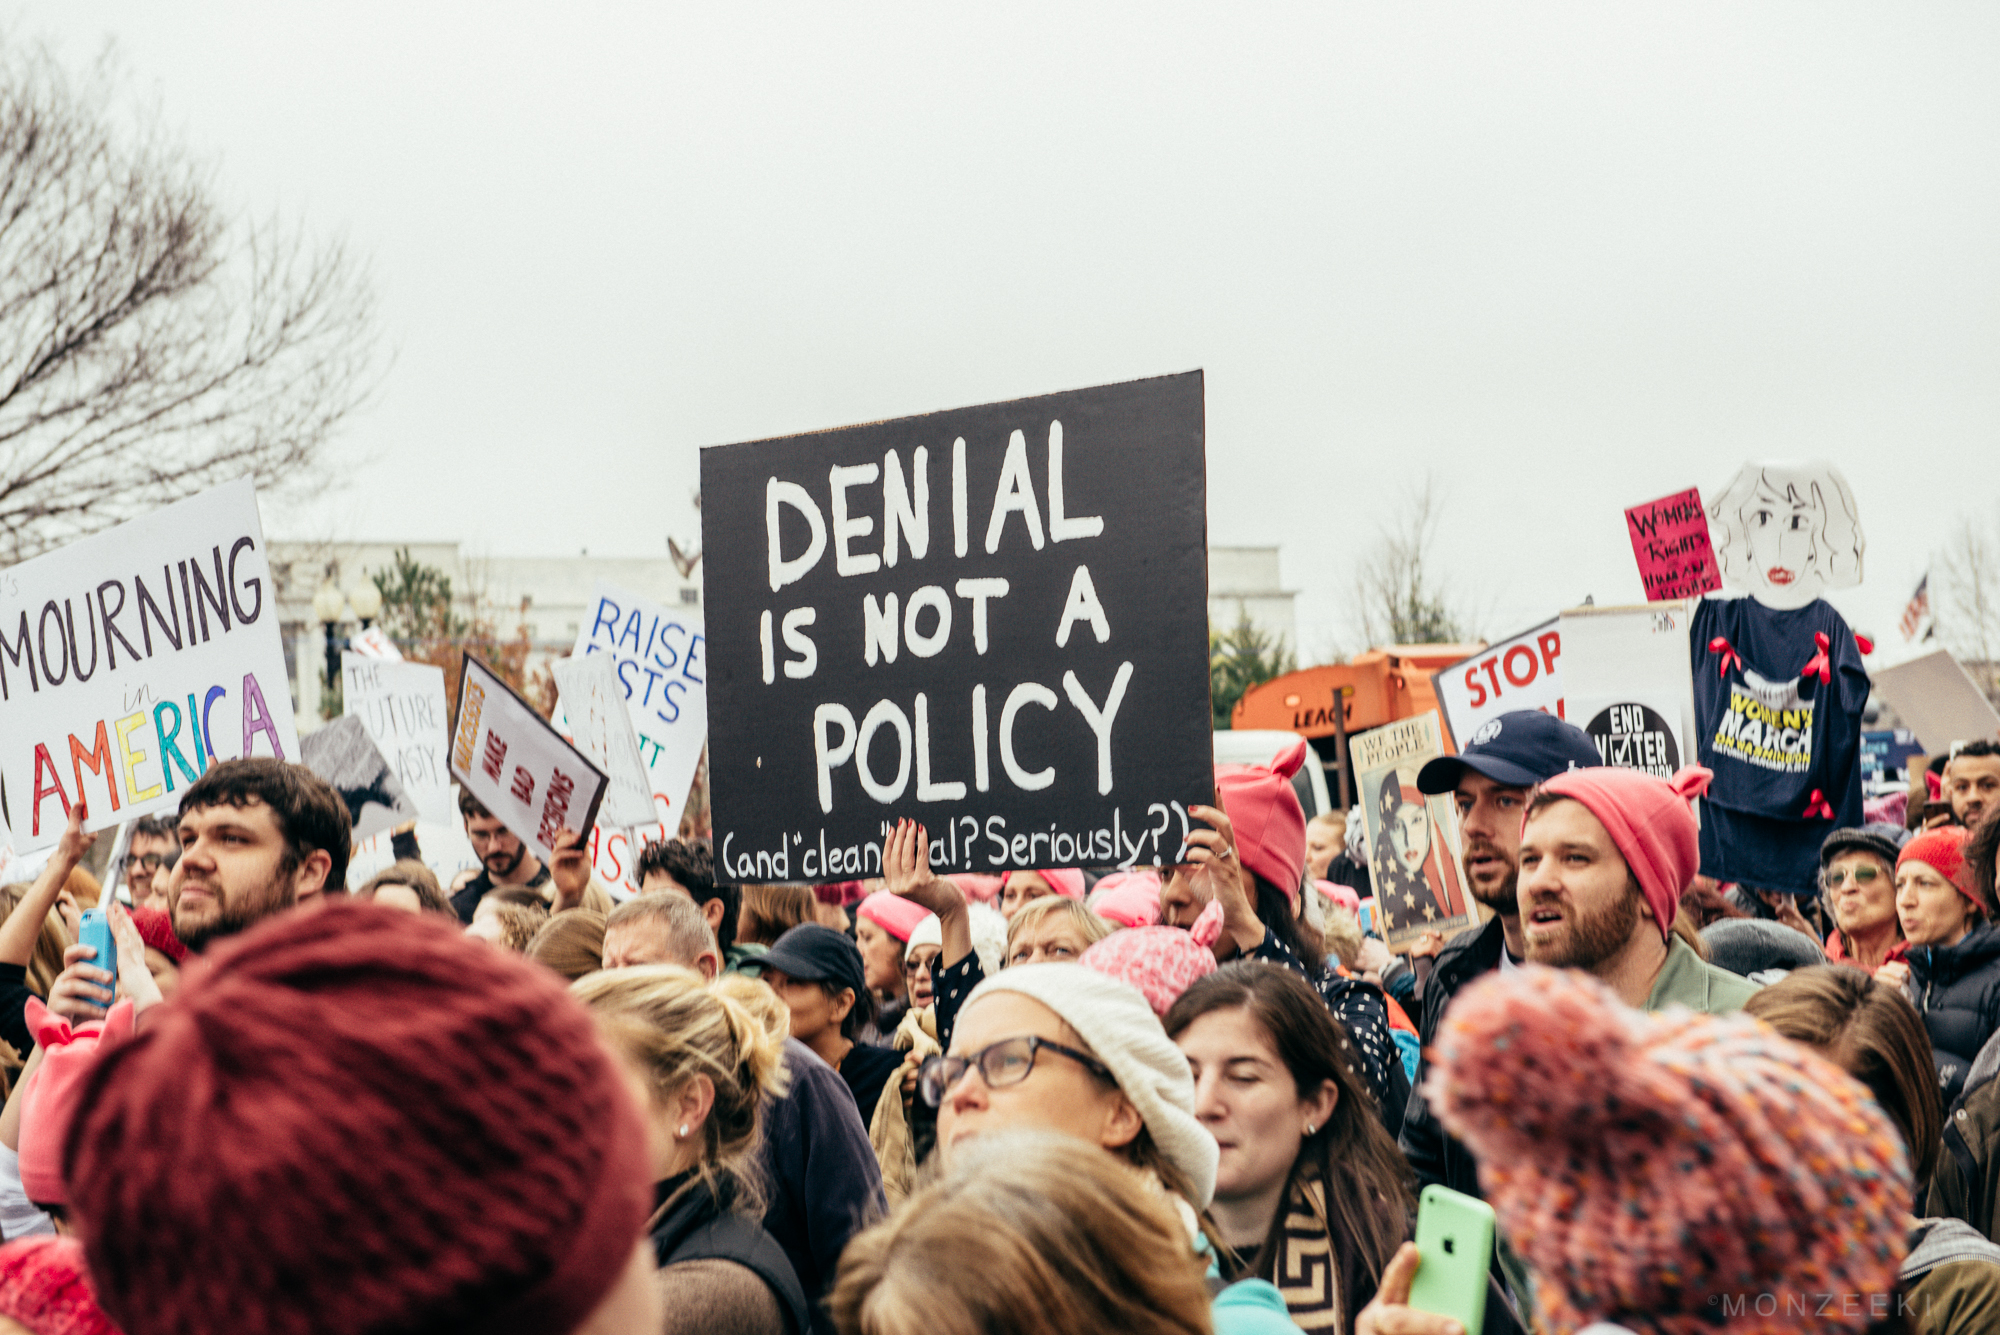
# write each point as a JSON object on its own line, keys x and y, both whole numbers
{"x": 1773, "y": 735}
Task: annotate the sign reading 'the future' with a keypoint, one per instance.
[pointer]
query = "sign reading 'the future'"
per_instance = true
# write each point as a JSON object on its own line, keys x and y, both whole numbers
{"x": 993, "y": 620}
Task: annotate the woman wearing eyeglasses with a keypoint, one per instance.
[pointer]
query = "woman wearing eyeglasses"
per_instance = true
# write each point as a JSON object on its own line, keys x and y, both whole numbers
{"x": 1058, "y": 1047}
{"x": 1858, "y": 878}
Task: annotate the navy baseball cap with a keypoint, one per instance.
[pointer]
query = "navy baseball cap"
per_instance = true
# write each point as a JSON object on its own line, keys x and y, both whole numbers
{"x": 1517, "y": 750}
{"x": 813, "y": 953}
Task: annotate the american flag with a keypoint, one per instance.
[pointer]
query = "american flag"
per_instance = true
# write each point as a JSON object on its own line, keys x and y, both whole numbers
{"x": 1919, "y": 609}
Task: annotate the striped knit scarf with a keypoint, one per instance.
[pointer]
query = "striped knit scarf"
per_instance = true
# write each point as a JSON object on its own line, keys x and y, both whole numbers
{"x": 1305, "y": 1270}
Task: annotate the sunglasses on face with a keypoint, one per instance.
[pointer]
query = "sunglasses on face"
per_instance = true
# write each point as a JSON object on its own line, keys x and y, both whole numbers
{"x": 145, "y": 862}
{"x": 1833, "y": 880}
{"x": 919, "y": 963}
{"x": 1008, "y": 1062}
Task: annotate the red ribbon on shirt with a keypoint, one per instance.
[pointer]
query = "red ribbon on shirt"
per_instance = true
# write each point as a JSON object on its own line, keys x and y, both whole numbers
{"x": 1817, "y": 806}
{"x": 1818, "y": 665}
{"x": 1730, "y": 657}
{"x": 1863, "y": 643}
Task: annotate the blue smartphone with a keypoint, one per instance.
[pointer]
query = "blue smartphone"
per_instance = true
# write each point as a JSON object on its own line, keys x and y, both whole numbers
{"x": 1455, "y": 1241}
{"x": 95, "y": 931}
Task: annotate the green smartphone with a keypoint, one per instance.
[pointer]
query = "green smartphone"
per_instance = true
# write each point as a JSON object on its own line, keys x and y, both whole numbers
{"x": 1455, "y": 1241}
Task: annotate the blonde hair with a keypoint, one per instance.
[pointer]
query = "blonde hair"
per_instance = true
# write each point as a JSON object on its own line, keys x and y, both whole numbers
{"x": 519, "y": 923}
{"x": 755, "y": 996}
{"x": 1088, "y": 925}
{"x": 674, "y": 1027}
{"x": 50, "y": 942}
{"x": 1025, "y": 1231}
{"x": 571, "y": 943}
{"x": 1342, "y": 934}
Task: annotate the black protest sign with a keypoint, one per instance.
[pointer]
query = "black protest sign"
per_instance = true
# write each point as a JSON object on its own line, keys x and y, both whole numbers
{"x": 992, "y": 619}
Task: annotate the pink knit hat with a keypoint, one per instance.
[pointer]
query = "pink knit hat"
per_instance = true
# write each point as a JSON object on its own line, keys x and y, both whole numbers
{"x": 1678, "y": 1165}
{"x": 1067, "y": 883}
{"x": 893, "y": 914}
{"x": 1649, "y": 819}
{"x": 1344, "y": 895}
{"x": 1943, "y": 851}
{"x": 1128, "y": 898}
{"x": 49, "y": 1105}
{"x": 978, "y": 889}
{"x": 45, "y": 1287}
{"x": 1162, "y": 962}
{"x": 1270, "y": 824}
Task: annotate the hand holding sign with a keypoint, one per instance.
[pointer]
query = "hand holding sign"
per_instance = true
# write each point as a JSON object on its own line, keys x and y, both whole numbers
{"x": 906, "y": 872}
{"x": 508, "y": 757}
{"x": 569, "y": 870}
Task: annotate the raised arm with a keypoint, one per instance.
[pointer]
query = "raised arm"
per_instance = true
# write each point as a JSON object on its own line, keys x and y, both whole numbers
{"x": 24, "y": 924}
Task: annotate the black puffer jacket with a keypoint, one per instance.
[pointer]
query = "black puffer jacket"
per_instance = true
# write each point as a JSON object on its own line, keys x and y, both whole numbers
{"x": 1957, "y": 989}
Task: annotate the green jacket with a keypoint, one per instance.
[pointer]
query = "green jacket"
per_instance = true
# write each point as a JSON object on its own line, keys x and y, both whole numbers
{"x": 1965, "y": 1185}
{"x": 745, "y": 958}
{"x": 1686, "y": 979}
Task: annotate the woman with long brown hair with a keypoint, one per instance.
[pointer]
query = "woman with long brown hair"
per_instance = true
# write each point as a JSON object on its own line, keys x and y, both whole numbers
{"x": 1310, "y": 1192}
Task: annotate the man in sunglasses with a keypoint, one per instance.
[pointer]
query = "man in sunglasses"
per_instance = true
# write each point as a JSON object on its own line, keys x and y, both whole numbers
{"x": 150, "y": 852}
{"x": 1858, "y": 877}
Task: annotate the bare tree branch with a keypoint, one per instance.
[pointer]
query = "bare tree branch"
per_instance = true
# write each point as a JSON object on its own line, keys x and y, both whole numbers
{"x": 150, "y": 348}
{"x": 1397, "y": 599}
{"x": 1966, "y": 608}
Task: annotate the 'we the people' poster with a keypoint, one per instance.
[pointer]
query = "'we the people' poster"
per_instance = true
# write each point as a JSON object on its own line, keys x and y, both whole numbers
{"x": 993, "y": 620}
{"x": 133, "y": 660}
{"x": 1414, "y": 846}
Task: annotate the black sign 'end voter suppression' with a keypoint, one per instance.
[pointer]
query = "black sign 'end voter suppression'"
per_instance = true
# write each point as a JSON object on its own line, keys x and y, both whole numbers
{"x": 993, "y": 620}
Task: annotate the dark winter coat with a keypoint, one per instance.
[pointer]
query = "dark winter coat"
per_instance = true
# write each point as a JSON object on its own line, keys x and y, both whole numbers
{"x": 1957, "y": 991}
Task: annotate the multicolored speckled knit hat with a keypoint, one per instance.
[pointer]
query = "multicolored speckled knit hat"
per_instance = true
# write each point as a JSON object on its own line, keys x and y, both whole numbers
{"x": 1673, "y": 1172}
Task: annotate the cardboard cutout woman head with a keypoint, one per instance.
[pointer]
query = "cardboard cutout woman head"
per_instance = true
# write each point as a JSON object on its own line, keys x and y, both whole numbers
{"x": 1786, "y": 533}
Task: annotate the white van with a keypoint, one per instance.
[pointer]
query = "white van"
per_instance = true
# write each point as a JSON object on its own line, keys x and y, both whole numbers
{"x": 1260, "y": 747}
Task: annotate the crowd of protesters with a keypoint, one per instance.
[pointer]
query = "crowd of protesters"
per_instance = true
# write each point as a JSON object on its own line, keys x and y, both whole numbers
{"x": 1195, "y": 1098}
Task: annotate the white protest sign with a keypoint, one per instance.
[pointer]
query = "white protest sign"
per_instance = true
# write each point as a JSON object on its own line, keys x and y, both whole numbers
{"x": 373, "y": 643}
{"x": 1632, "y": 657}
{"x": 402, "y": 705}
{"x": 1524, "y": 672}
{"x": 174, "y": 662}
{"x": 661, "y": 658}
{"x": 1938, "y": 700}
{"x": 595, "y": 716}
{"x": 507, "y": 756}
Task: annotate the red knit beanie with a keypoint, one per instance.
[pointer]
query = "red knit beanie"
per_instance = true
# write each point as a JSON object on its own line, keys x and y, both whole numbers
{"x": 1270, "y": 824}
{"x": 1648, "y": 818}
{"x": 43, "y": 1286}
{"x": 356, "y": 1120}
{"x": 1943, "y": 851}
{"x": 156, "y": 929}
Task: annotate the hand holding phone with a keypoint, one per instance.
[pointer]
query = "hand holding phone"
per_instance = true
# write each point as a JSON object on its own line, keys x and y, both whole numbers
{"x": 1455, "y": 1242}
{"x": 95, "y": 931}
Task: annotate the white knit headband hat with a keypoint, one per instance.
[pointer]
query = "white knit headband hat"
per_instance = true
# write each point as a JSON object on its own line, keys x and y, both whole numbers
{"x": 1116, "y": 1023}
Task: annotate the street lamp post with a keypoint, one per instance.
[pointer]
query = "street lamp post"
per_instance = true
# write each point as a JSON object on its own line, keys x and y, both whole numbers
{"x": 330, "y": 606}
{"x": 366, "y": 600}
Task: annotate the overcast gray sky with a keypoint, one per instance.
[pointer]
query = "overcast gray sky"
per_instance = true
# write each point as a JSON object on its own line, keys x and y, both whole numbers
{"x": 1569, "y": 257}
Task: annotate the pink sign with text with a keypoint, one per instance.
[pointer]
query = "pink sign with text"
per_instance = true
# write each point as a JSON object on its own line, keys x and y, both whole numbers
{"x": 1670, "y": 539}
